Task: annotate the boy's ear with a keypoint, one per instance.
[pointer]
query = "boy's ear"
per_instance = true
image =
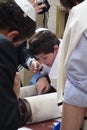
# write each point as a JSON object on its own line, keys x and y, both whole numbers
{"x": 12, "y": 34}
{"x": 56, "y": 48}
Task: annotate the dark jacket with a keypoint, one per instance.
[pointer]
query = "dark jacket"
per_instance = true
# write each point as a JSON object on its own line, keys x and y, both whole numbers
{"x": 9, "y": 107}
{"x": 23, "y": 55}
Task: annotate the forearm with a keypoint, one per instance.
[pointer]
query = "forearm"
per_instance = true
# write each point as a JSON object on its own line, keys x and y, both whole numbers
{"x": 36, "y": 77}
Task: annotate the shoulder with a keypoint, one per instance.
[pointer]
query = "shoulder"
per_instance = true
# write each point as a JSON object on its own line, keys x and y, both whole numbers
{"x": 6, "y": 44}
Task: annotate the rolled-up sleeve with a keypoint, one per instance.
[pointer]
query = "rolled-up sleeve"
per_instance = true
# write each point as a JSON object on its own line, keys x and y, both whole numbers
{"x": 75, "y": 91}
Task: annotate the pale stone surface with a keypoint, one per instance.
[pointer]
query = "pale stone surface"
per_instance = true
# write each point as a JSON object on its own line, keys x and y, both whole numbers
{"x": 52, "y": 15}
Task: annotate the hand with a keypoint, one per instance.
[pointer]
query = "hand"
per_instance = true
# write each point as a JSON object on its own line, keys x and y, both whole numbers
{"x": 35, "y": 66}
{"x": 42, "y": 85}
{"x": 38, "y": 8}
{"x": 16, "y": 86}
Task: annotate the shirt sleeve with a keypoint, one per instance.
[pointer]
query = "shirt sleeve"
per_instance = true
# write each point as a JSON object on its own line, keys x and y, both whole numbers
{"x": 75, "y": 92}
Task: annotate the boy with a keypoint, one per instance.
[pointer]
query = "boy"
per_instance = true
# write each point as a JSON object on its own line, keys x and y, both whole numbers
{"x": 44, "y": 46}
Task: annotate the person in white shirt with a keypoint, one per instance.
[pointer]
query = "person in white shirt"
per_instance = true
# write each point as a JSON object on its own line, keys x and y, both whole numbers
{"x": 72, "y": 65}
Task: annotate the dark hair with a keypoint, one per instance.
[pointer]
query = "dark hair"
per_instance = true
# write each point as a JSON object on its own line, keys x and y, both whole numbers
{"x": 12, "y": 18}
{"x": 43, "y": 42}
{"x": 68, "y": 4}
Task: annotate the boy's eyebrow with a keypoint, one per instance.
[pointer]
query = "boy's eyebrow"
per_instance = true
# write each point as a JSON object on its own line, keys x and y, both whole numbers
{"x": 40, "y": 56}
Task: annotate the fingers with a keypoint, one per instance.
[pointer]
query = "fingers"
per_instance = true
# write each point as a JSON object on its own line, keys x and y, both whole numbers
{"x": 38, "y": 66}
{"x": 33, "y": 70}
{"x": 38, "y": 8}
{"x": 40, "y": 90}
{"x": 35, "y": 66}
{"x": 42, "y": 85}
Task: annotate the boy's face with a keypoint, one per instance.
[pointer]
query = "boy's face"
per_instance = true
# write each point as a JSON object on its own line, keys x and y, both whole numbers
{"x": 46, "y": 59}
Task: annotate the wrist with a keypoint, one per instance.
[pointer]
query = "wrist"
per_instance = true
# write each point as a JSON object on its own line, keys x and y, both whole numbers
{"x": 36, "y": 77}
{"x": 29, "y": 61}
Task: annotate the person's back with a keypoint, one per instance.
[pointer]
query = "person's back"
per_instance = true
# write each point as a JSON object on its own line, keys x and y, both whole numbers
{"x": 73, "y": 67}
{"x": 14, "y": 29}
{"x": 8, "y": 68}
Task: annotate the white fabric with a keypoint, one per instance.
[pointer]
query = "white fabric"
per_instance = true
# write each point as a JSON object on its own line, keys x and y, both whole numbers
{"x": 24, "y": 128}
{"x": 53, "y": 74}
{"x": 45, "y": 69}
{"x": 28, "y": 91}
{"x": 27, "y": 8}
{"x": 29, "y": 60}
{"x": 44, "y": 107}
{"x": 76, "y": 25}
{"x": 40, "y": 29}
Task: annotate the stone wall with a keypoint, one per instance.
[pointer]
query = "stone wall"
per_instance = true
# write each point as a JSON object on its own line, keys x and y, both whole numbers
{"x": 52, "y": 15}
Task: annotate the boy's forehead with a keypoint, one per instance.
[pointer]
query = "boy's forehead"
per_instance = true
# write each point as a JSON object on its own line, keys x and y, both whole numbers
{"x": 39, "y": 56}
